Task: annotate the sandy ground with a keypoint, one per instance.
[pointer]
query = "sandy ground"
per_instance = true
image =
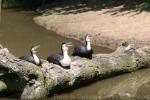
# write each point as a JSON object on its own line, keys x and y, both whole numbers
{"x": 107, "y": 27}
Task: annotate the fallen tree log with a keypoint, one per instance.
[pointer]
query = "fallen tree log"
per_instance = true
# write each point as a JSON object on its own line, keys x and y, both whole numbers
{"x": 34, "y": 82}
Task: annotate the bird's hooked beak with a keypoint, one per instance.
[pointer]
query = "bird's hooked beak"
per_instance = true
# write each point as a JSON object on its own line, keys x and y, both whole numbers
{"x": 35, "y": 47}
{"x": 90, "y": 36}
{"x": 69, "y": 44}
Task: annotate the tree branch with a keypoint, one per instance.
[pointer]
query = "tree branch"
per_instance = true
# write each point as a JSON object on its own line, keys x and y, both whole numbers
{"x": 38, "y": 82}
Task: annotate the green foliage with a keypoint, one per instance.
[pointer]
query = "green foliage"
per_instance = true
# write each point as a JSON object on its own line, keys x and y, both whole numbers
{"x": 143, "y": 6}
{"x": 139, "y": 5}
{"x": 22, "y": 3}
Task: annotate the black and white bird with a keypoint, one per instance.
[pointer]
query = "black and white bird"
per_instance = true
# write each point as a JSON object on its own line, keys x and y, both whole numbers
{"x": 61, "y": 58}
{"x": 129, "y": 47}
{"x": 32, "y": 58}
{"x": 84, "y": 50}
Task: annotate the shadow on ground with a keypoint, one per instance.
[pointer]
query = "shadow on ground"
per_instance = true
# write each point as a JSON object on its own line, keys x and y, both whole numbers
{"x": 79, "y": 6}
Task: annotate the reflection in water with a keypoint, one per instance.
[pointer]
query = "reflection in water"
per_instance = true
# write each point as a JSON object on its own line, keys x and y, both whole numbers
{"x": 126, "y": 86}
{"x": 143, "y": 91}
{"x": 131, "y": 86}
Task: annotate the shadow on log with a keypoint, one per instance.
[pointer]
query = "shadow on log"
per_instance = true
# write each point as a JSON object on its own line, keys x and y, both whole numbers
{"x": 34, "y": 82}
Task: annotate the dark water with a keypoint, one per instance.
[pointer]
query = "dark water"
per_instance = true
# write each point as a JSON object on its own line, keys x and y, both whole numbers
{"x": 18, "y": 33}
{"x": 132, "y": 86}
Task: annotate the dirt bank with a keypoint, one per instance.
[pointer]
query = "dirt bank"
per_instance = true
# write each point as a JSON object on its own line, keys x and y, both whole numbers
{"x": 107, "y": 26}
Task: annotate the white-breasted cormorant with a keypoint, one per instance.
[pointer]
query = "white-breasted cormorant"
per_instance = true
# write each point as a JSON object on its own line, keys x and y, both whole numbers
{"x": 84, "y": 50}
{"x": 61, "y": 58}
{"x": 33, "y": 58}
{"x": 129, "y": 47}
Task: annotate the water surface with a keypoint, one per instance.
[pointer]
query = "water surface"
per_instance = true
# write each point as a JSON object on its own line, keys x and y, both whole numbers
{"x": 18, "y": 33}
{"x": 131, "y": 86}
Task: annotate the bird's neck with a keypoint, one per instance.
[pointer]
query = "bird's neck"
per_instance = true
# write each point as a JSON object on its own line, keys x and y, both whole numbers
{"x": 88, "y": 45}
{"x": 66, "y": 61}
{"x": 65, "y": 54}
{"x": 36, "y": 58}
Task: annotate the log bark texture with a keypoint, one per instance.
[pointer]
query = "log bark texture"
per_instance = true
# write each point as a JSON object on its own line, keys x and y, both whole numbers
{"x": 34, "y": 82}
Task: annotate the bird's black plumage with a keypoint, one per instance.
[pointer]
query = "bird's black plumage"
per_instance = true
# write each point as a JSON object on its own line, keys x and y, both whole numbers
{"x": 84, "y": 50}
{"x": 28, "y": 58}
{"x": 81, "y": 50}
{"x": 55, "y": 58}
